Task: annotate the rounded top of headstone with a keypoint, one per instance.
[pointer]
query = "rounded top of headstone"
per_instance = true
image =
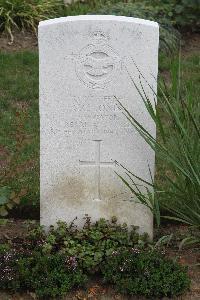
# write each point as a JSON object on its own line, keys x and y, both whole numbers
{"x": 98, "y": 18}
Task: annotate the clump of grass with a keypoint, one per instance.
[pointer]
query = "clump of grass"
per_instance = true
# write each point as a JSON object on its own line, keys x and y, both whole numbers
{"x": 26, "y": 14}
{"x": 177, "y": 149}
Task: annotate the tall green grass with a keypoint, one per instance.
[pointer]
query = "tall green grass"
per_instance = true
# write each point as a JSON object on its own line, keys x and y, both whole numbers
{"x": 177, "y": 116}
{"x": 26, "y": 14}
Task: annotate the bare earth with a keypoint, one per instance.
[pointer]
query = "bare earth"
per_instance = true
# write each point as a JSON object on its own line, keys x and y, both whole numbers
{"x": 22, "y": 41}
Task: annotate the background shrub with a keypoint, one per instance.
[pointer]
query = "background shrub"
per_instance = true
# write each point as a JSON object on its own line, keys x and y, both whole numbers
{"x": 169, "y": 36}
{"x": 184, "y": 14}
{"x": 146, "y": 273}
{"x": 26, "y": 14}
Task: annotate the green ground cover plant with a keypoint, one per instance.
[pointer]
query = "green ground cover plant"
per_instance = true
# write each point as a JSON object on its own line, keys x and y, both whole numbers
{"x": 91, "y": 244}
{"x": 48, "y": 276}
{"x": 51, "y": 264}
{"x": 145, "y": 273}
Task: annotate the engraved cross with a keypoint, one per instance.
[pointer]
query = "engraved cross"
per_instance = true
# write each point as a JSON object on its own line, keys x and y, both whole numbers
{"x": 97, "y": 164}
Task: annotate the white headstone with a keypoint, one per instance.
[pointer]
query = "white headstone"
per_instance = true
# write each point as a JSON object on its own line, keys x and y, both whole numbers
{"x": 86, "y": 63}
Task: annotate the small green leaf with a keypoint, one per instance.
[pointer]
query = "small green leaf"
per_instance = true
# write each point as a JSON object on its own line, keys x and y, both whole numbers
{"x": 3, "y": 221}
{"x": 4, "y": 194}
{"x": 3, "y": 199}
{"x": 3, "y": 211}
{"x": 10, "y": 205}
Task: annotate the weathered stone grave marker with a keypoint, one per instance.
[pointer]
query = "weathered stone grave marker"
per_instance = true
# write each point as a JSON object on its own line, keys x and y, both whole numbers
{"x": 86, "y": 63}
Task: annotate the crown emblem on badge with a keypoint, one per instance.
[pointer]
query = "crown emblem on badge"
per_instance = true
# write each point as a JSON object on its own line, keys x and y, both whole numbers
{"x": 99, "y": 36}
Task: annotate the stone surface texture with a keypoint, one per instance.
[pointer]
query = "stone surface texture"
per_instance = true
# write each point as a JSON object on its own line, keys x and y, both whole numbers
{"x": 87, "y": 63}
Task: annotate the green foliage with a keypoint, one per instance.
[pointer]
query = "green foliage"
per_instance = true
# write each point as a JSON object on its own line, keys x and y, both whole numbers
{"x": 51, "y": 264}
{"x": 193, "y": 240}
{"x": 145, "y": 273}
{"x": 177, "y": 148}
{"x": 4, "y": 200}
{"x": 182, "y": 13}
{"x": 169, "y": 37}
{"x": 4, "y": 247}
{"x": 84, "y": 7}
{"x": 179, "y": 239}
{"x": 9, "y": 199}
{"x": 50, "y": 276}
{"x": 91, "y": 244}
{"x": 25, "y": 14}
{"x": 9, "y": 276}
{"x": 146, "y": 198}
{"x": 4, "y": 195}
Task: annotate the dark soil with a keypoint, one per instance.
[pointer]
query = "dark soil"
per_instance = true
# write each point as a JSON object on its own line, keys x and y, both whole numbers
{"x": 191, "y": 44}
{"x": 96, "y": 290}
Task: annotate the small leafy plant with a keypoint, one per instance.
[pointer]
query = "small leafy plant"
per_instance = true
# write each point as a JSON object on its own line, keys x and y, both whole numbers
{"x": 51, "y": 264}
{"x": 92, "y": 244}
{"x": 47, "y": 275}
{"x": 145, "y": 273}
{"x": 50, "y": 275}
{"x": 9, "y": 199}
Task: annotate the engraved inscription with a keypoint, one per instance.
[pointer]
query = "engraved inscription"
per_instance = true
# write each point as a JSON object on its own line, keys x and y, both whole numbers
{"x": 98, "y": 104}
{"x": 97, "y": 164}
{"x": 97, "y": 63}
{"x": 99, "y": 115}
